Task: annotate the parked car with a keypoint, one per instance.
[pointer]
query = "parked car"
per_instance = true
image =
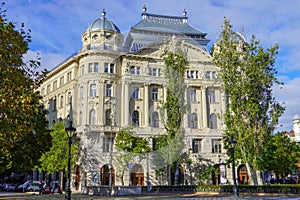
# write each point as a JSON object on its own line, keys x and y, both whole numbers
{"x": 34, "y": 186}
{"x": 24, "y": 187}
{"x": 10, "y": 187}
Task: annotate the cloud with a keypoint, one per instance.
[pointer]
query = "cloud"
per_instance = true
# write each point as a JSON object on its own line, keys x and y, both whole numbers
{"x": 57, "y": 27}
{"x": 290, "y": 94}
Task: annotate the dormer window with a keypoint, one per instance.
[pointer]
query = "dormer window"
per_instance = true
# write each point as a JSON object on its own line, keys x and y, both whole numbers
{"x": 95, "y": 37}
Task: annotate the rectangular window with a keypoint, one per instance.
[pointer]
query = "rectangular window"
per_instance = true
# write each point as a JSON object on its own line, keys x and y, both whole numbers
{"x": 106, "y": 67}
{"x": 154, "y": 72}
{"x": 106, "y": 144}
{"x": 107, "y": 141}
{"x": 193, "y": 97}
{"x": 197, "y": 145}
{"x": 216, "y": 146}
{"x": 90, "y": 70}
{"x": 69, "y": 74}
{"x": 96, "y": 67}
{"x": 61, "y": 81}
{"x": 48, "y": 88}
{"x": 207, "y": 75}
{"x": 92, "y": 90}
{"x": 111, "y": 68}
{"x": 132, "y": 70}
{"x": 54, "y": 85}
{"x": 193, "y": 74}
{"x": 138, "y": 70}
{"x": 135, "y": 93}
{"x": 108, "y": 90}
{"x": 82, "y": 69}
{"x": 211, "y": 96}
{"x": 213, "y": 75}
{"x": 154, "y": 93}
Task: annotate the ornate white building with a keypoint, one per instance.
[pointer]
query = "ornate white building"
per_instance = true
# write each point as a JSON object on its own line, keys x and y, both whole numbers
{"x": 113, "y": 83}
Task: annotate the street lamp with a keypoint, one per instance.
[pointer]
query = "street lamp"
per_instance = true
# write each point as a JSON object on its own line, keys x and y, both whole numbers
{"x": 232, "y": 144}
{"x": 70, "y": 132}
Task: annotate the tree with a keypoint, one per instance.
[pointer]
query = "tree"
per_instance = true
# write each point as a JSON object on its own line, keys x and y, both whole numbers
{"x": 248, "y": 74}
{"x": 130, "y": 146}
{"x": 170, "y": 145}
{"x": 56, "y": 159}
{"x": 23, "y": 127}
{"x": 280, "y": 155}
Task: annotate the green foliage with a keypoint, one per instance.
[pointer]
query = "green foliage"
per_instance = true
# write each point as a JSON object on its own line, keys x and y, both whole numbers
{"x": 248, "y": 75}
{"x": 175, "y": 106}
{"x": 56, "y": 159}
{"x": 23, "y": 133}
{"x": 127, "y": 141}
{"x": 168, "y": 147}
{"x": 280, "y": 155}
{"x": 130, "y": 146}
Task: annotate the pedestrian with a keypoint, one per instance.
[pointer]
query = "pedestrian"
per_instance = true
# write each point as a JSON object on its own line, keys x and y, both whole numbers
{"x": 41, "y": 187}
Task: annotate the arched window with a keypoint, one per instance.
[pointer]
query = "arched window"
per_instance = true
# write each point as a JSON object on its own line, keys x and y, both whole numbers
{"x": 213, "y": 121}
{"x": 193, "y": 120}
{"x": 155, "y": 120}
{"x": 81, "y": 92}
{"x": 135, "y": 118}
{"x": 61, "y": 101}
{"x": 92, "y": 117}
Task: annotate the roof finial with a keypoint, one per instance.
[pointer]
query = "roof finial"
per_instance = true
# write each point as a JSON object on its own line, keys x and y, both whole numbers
{"x": 144, "y": 9}
{"x": 103, "y": 13}
{"x": 184, "y": 13}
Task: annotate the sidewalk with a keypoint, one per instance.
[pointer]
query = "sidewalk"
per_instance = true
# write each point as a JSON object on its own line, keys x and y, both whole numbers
{"x": 154, "y": 196}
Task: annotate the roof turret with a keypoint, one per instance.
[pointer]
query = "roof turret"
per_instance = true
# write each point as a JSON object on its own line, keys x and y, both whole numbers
{"x": 103, "y": 24}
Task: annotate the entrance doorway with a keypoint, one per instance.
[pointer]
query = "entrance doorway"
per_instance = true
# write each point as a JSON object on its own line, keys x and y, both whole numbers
{"x": 215, "y": 174}
{"x": 242, "y": 175}
{"x": 106, "y": 174}
{"x": 137, "y": 175}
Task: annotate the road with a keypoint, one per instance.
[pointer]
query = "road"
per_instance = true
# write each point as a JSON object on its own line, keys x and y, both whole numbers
{"x": 170, "y": 196}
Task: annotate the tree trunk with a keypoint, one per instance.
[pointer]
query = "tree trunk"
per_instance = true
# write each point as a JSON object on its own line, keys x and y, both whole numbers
{"x": 252, "y": 174}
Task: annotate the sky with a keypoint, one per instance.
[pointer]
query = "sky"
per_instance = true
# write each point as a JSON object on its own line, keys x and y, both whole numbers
{"x": 57, "y": 25}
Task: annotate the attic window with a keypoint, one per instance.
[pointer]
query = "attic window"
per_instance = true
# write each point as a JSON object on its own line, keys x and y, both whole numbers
{"x": 95, "y": 37}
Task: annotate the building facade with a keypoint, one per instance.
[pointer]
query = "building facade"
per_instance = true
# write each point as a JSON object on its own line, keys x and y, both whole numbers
{"x": 115, "y": 82}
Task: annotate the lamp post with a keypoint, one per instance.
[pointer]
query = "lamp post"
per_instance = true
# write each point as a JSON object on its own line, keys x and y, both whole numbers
{"x": 70, "y": 132}
{"x": 232, "y": 144}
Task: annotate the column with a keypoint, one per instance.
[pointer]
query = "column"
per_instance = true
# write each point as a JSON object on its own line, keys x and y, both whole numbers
{"x": 146, "y": 104}
{"x": 101, "y": 109}
{"x": 126, "y": 104}
{"x": 204, "y": 107}
{"x": 165, "y": 93}
{"x": 122, "y": 104}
